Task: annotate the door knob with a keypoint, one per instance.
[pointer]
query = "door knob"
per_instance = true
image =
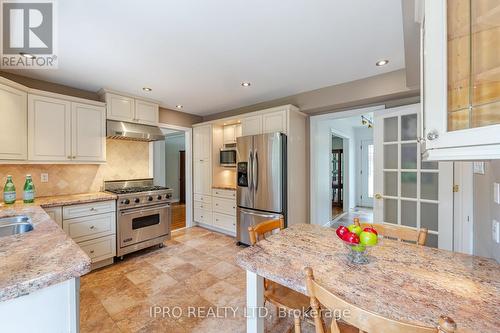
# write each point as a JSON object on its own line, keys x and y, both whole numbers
{"x": 378, "y": 196}
{"x": 432, "y": 135}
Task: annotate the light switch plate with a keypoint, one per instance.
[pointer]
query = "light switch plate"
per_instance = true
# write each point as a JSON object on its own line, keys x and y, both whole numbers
{"x": 478, "y": 168}
{"x": 496, "y": 193}
{"x": 495, "y": 231}
{"x": 44, "y": 177}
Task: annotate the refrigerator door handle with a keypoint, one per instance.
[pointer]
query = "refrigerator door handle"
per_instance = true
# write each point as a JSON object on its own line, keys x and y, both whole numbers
{"x": 250, "y": 169}
{"x": 255, "y": 170}
{"x": 261, "y": 214}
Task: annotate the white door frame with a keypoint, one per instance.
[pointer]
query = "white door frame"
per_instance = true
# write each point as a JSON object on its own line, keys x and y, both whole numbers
{"x": 365, "y": 200}
{"x": 319, "y": 136}
{"x": 463, "y": 209}
{"x": 188, "y": 139}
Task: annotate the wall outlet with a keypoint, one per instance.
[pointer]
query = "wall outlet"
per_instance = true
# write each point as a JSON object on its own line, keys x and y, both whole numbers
{"x": 44, "y": 177}
{"x": 496, "y": 193}
{"x": 495, "y": 231}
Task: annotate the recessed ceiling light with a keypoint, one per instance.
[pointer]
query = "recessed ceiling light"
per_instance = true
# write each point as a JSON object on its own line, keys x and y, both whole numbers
{"x": 147, "y": 89}
{"x": 27, "y": 55}
{"x": 179, "y": 106}
{"x": 382, "y": 62}
{"x": 246, "y": 84}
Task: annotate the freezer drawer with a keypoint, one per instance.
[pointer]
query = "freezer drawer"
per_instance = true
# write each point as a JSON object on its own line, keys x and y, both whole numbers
{"x": 247, "y": 218}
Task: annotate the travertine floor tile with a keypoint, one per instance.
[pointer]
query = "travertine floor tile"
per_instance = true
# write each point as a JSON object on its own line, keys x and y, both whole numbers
{"x": 222, "y": 270}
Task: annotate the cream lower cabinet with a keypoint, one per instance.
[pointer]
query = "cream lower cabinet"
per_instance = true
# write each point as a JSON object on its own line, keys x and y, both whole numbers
{"x": 13, "y": 131}
{"x": 224, "y": 210}
{"x": 55, "y": 214}
{"x": 64, "y": 131}
{"x": 93, "y": 227}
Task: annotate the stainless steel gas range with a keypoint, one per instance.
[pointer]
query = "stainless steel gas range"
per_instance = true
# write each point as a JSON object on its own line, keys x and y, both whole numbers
{"x": 143, "y": 214}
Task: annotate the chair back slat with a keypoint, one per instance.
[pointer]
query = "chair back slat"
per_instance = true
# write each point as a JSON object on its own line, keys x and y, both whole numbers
{"x": 365, "y": 321}
{"x": 398, "y": 232}
{"x": 259, "y": 231}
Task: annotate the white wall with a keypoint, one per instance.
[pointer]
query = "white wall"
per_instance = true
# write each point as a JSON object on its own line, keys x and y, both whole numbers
{"x": 361, "y": 134}
{"x": 159, "y": 163}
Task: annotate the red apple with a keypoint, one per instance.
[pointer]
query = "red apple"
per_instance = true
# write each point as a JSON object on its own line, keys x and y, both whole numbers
{"x": 341, "y": 231}
{"x": 351, "y": 237}
{"x": 371, "y": 229}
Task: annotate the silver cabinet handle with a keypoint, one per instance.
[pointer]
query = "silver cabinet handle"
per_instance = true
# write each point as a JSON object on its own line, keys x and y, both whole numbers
{"x": 92, "y": 227}
{"x": 432, "y": 135}
{"x": 68, "y": 157}
{"x": 91, "y": 251}
{"x": 93, "y": 209}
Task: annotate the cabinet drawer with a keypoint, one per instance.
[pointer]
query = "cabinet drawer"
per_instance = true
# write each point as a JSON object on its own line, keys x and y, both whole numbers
{"x": 202, "y": 205}
{"x": 224, "y": 206}
{"x": 202, "y": 198}
{"x": 202, "y": 216}
{"x": 70, "y": 212}
{"x": 100, "y": 248}
{"x": 225, "y": 222}
{"x": 90, "y": 227}
{"x": 230, "y": 194}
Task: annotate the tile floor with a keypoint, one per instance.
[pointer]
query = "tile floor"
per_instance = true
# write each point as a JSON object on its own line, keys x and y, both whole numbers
{"x": 195, "y": 269}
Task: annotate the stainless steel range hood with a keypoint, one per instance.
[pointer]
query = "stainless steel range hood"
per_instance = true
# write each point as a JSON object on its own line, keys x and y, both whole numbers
{"x": 135, "y": 132}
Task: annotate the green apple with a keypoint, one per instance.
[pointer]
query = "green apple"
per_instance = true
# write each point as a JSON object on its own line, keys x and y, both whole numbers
{"x": 358, "y": 248}
{"x": 367, "y": 238}
{"x": 355, "y": 229}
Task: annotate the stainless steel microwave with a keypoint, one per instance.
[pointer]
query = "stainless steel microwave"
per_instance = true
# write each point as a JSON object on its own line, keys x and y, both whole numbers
{"x": 227, "y": 157}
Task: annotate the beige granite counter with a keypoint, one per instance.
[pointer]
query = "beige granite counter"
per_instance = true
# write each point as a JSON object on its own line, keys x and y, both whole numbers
{"x": 44, "y": 256}
{"x": 224, "y": 187}
{"x": 403, "y": 281}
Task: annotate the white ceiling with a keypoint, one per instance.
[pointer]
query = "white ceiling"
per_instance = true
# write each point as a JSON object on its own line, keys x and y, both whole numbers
{"x": 196, "y": 53}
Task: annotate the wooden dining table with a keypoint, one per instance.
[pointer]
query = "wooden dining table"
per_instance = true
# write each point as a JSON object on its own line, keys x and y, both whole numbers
{"x": 402, "y": 281}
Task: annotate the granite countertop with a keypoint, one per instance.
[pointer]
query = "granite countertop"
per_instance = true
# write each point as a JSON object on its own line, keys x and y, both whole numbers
{"x": 224, "y": 187}
{"x": 402, "y": 282}
{"x": 44, "y": 256}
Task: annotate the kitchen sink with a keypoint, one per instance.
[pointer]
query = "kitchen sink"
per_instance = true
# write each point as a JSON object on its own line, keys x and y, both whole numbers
{"x": 13, "y": 225}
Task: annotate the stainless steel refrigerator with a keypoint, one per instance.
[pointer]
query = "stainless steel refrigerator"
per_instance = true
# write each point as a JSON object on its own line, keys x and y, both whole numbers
{"x": 261, "y": 180}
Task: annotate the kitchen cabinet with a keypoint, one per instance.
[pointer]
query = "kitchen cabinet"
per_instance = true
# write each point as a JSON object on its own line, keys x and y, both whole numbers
{"x": 202, "y": 161}
{"x": 61, "y": 130}
{"x": 55, "y": 214}
{"x": 131, "y": 109}
{"x": 230, "y": 133}
{"x": 93, "y": 227}
{"x": 461, "y": 79}
{"x": 274, "y": 122}
{"x": 202, "y": 142}
{"x": 251, "y": 125}
{"x": 202, "y": 177}
{"x": 13, "y": 130}
{"x": 224, "y": 210}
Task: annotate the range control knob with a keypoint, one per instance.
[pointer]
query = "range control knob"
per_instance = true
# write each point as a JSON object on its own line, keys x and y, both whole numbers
{"x": 137, "y": 200}
{"x": 158, "y": 197}
{"x": 126, "y": 201}
{"x": 168, "y": 196}
{"x": 150, "y": 198}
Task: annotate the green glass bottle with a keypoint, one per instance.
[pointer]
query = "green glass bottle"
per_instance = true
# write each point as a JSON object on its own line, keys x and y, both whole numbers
{"x": 29, "y": 190}
{"x": 9, "y": 191}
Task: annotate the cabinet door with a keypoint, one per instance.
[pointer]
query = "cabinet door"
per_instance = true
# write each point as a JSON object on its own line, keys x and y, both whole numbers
{"x": 202, "y": 177}
{"x": 146, "y": 112}
{"x": 88, "y": 132}
{"x": 49, "y": 129}
{"x": 13, "y": 129}
{"x": 251, "y": 125}
{"x": 229, "y": 134}
{"x": 55, "y": 214}
{"x": 202, "y": 142}
{"x": 120, "y": 107}
{"x": 274, "y": 122}
{"x": 461, "y": 95}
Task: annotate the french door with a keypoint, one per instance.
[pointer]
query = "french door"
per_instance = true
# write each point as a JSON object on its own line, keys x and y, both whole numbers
{"x": 367, "y": 175}
{"x": 409, "y": 191}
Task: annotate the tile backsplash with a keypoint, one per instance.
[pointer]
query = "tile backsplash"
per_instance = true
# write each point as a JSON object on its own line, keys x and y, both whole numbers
{"x": 124, "y": 160}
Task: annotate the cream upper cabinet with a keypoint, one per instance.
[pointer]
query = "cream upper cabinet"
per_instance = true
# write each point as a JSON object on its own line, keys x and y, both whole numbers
{"x": 230, "y": 133}
{"x": 88, "y": 132}
{"x": 274, "y": 122}
{"x": 120, "y": 107}
{"x": 49, "y": 129}
{"x": 146, "y": 112}
{"x": 251, "y": 125}
{"x": 13, "y": 127}
{"x": 130, "y": 109}
{"x": 202, "y": 143}
{"x": 202, "y": 177}
{"x": 60, "y": 130}
{"x": 461, "y": 81}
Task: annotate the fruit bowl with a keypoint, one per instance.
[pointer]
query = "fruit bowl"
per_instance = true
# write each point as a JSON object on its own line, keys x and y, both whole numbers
{"x": 357, "y": 253}
{"x": 358, "y": 241}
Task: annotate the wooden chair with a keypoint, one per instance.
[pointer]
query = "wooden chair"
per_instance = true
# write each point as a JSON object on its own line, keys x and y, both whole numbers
{"x": 362, "y": 320}
{"x": 398, "y": 232}
{"x": 278, "y": 295}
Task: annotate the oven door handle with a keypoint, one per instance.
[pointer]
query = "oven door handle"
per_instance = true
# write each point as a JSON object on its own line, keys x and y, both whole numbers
{"x": 143, "y": 209}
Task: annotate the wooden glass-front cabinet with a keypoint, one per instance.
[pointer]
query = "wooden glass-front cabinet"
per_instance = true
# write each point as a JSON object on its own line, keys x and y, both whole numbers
{"x": 461, "y": 79}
